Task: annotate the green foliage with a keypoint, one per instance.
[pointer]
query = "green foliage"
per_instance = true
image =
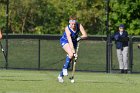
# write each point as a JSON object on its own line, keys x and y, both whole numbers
{"x": 2, "y": 16}
{"x": 51, "y": 16}
{"x": 125, "y": 12}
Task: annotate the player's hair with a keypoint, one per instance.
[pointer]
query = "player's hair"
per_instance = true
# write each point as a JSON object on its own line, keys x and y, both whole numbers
{"x": 72, "y": 17}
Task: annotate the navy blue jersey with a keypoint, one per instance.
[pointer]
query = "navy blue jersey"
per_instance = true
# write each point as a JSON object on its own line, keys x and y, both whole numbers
{"x": 74, "y": 36}
{"x": 121, "y": 40}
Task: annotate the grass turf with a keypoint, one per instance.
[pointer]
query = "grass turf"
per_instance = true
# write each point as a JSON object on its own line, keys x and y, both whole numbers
{"x": 25, "y": 81}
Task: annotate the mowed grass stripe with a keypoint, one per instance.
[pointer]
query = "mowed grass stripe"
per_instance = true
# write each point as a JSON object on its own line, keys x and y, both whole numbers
{"x": 24, "y": 81}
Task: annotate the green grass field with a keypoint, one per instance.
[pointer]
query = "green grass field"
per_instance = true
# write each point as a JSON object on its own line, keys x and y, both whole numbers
{"x": 27, "y": 81}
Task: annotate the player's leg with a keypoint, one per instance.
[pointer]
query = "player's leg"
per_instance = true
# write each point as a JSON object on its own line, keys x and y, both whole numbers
{"x": 69, "y": 56}
{"x": 64, "y": 71}
{"x": 68, "y": 50}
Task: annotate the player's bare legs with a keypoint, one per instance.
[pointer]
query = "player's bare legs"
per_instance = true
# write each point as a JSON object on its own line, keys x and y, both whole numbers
{"x": 68, "y": 50}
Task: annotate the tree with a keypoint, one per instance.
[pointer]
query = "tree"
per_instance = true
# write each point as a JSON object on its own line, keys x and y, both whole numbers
{"x": 125, "y": 12}
{"x": 51, "y": 16}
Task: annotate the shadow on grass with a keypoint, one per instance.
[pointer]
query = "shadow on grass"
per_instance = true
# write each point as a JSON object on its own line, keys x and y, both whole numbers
{"x": 19, "y": 80}
{"x": 96, "y": 82}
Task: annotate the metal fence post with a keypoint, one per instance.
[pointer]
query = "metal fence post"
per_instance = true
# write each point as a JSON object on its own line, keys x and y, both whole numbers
{"x": 130, "y": 54}
{"x": 39, "y": 54}
{"x": 7, "y": 21}
{"x": 108, "y": 51}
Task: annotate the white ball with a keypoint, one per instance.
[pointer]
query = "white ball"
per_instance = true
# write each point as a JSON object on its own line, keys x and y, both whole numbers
{"x": 72, "y": 81}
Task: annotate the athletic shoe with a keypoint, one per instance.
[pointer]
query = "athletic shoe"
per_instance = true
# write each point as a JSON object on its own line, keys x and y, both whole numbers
{"x": 60, "y": 79}
{"x": 65, "y": 72}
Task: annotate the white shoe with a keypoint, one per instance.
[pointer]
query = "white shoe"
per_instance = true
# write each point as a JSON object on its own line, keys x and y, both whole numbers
{"x": 60, "y": 79}
{"x": 65, "y": 72}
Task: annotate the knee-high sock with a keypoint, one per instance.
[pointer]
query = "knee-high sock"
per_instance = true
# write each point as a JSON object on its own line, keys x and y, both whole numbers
{"x": 66, "y": 65}
{"x": 61, "y": 74}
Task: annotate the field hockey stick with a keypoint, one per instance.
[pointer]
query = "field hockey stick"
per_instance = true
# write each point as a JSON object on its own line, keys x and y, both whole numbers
{"x": 74, "y": 62}
{"x": 3, "y": 50}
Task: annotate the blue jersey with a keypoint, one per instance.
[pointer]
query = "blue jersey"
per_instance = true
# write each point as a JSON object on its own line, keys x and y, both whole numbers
{"x": 120, "y": 43}
{"x": 74, "y": 36}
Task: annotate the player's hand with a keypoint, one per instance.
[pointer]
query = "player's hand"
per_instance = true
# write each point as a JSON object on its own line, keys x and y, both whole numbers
{"x": 75, "y": 55}
{"x": 78, "y": 39}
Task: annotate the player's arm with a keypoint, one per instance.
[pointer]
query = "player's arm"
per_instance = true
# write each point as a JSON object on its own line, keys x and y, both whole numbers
{"x": 69, "y": 39}
{"x": 139, "y": 46}
{"x": 83, "y": 32}
{"x": 0, "y": 34}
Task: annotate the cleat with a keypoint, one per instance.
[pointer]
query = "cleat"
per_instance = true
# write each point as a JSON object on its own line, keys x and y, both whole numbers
{"x": 60, "y": 79}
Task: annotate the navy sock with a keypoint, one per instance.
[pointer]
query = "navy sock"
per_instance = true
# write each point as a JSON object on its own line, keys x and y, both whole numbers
{"x": 61, "y": 74}
{"x": 67, "y": 63}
